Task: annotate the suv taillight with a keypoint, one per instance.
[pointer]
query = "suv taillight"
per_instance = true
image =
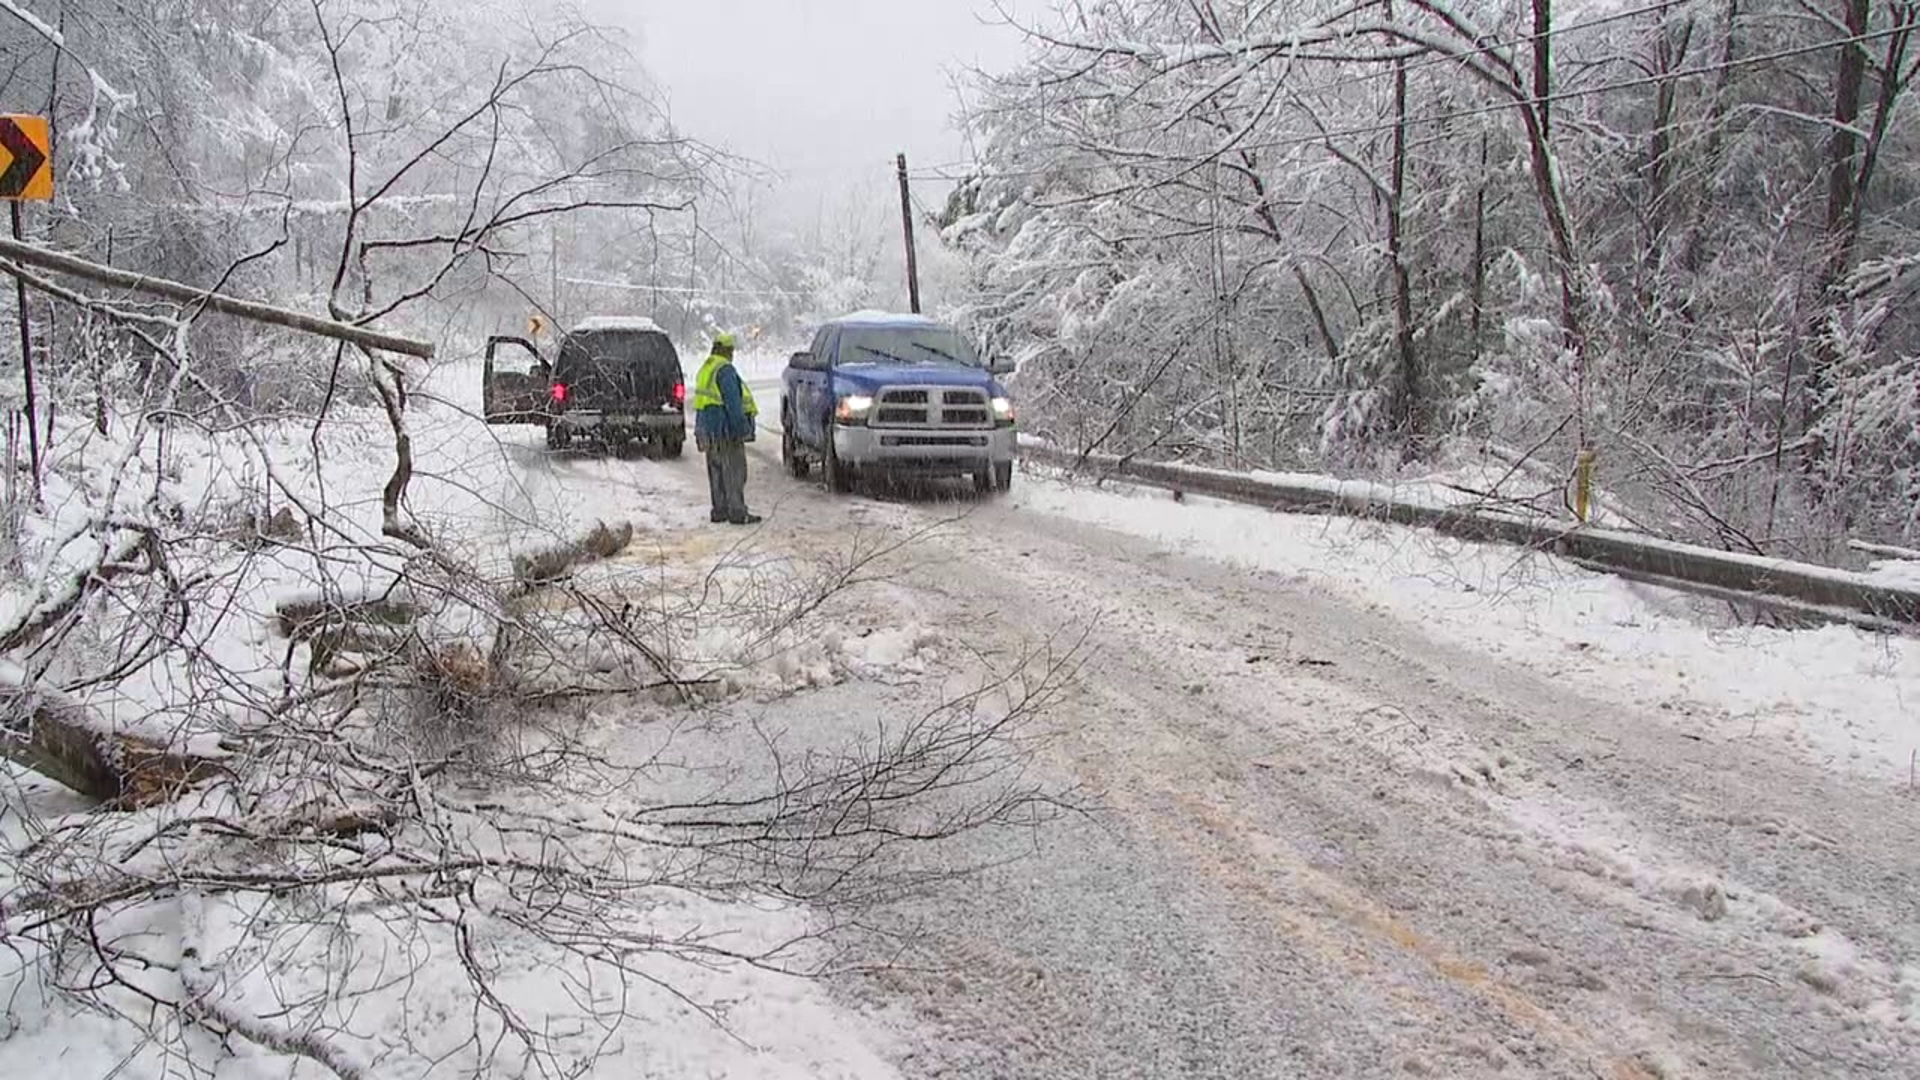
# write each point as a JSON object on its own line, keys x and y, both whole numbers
{"x": 679, "y": 393}
{"x": 559, "y": 393}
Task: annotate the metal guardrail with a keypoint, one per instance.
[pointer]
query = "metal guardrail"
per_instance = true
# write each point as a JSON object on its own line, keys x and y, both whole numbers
{"x": 1802, "y": 588}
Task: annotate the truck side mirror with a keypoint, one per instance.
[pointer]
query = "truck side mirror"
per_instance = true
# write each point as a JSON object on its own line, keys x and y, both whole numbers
{"x": 1000, "y": 365}
{"x": 805, "y": 361}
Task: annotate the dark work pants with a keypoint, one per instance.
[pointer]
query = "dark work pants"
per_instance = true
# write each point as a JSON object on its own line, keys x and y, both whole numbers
{"x": 727, "y": 477}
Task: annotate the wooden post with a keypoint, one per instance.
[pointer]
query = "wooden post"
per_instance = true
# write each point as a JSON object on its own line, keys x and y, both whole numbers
{"x": 906, "y": 220}
{"x": 26, "y": 367}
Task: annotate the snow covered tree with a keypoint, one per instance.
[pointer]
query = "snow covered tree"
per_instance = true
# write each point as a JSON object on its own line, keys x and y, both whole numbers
{"x": 1673, "y": 233}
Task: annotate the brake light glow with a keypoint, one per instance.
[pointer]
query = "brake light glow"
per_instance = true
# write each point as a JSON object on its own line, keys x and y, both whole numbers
{"x": 559, "y": 393}
{"x": 679, "y": 393}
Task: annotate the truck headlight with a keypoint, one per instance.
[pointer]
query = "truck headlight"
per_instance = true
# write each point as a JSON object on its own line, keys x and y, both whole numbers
{"x": 1003, "y": 410}
{"x": 853, "y": 408}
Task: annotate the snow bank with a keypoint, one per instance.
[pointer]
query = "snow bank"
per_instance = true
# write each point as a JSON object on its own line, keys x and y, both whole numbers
{"x": 1896, "y": 573}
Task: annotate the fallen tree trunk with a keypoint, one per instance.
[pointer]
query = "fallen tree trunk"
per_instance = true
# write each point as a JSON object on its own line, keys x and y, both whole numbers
{"x": 1819, "y": 591}
{"x": 60, "y": 739}
{"x": 61, "y": 263}
{"x": 539, "y": 569}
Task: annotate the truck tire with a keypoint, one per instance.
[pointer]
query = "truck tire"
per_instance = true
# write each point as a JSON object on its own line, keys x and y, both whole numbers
{"x": 557, "y": 437}
{"x": 996, "y": 477}
{"x": 790, "y": 449}
{"x": 675, "y": 444}
{"x": 839, "y": 477}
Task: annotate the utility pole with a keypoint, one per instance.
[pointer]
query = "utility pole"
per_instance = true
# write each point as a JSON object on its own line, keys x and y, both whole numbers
{"x": 906, "y": 220}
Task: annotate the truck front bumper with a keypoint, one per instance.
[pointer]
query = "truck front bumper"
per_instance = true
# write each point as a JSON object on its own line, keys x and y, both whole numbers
{"x": 923, "y": 450}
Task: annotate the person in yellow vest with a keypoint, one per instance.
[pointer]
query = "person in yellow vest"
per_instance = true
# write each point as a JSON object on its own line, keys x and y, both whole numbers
{"x": 723, "y": 425}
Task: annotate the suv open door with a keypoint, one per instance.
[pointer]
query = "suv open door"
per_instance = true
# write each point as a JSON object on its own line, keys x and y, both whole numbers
{"x": 516, "y": 382}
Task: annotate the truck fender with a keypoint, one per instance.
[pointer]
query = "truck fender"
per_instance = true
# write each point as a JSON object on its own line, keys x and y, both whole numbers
{"x": 825, "y": 410}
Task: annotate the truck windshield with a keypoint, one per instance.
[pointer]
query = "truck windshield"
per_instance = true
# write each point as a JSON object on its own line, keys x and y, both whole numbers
{"x": 908, "y": 345}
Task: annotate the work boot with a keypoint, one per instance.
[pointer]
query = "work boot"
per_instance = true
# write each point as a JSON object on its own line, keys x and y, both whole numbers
{"x": 718, "y": 517}
{"x": 748, "y": 519}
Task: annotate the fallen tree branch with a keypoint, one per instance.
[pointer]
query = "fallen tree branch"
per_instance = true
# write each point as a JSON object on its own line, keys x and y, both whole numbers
{"x": 28, "y": 630}
{"x": 202, "y": 1002}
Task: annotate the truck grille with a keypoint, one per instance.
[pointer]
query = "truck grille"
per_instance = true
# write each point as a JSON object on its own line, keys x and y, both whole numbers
{"x": 933, "y": 407}
{"x": 972, "y": 441}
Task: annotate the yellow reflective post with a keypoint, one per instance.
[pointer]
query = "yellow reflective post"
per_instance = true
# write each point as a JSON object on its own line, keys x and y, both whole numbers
{"x": 1583, "y": 470}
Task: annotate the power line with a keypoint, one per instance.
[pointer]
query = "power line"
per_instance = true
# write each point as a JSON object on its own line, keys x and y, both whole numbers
{"x": 684, "y": 290}
{"x": 1461, "y": 114}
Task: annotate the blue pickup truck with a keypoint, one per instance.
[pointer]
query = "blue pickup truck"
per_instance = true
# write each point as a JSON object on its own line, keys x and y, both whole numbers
{"x": 880, "y": 393}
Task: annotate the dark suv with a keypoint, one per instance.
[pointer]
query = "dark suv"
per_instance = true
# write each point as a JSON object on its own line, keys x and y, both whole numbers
{"x": 614, "y": 382}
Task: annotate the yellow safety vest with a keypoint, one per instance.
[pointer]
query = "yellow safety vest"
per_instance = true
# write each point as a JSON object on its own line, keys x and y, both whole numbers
{"x": 706, "y": 387}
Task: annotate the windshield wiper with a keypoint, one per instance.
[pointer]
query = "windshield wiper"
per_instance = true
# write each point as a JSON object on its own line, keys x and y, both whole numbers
{"x": 887, "y": 355}
{"x": 945, "y": 355}
{"x": 936, "y": 350}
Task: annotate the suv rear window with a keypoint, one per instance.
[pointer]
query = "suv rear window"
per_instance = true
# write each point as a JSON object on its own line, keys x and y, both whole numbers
{"x": 612, "y": 369}
{"x": 615, "y": 352}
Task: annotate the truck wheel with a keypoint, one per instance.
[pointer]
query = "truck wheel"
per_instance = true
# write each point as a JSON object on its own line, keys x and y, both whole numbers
{"x": 983, "y": 480}
{"x": 790, "y": 450}
{"x": 557, "y": 437}
{"x": 839, "y": 477}
{"x": 1003, "y": 476}
{"x": 675, "y": 444}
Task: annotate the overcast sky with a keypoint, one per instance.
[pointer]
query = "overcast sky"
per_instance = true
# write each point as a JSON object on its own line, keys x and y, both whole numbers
{"x": 825, "y": 90}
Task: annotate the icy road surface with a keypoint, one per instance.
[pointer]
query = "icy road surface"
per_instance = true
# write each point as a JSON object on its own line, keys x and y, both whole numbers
{"x": 1362, "y": 804}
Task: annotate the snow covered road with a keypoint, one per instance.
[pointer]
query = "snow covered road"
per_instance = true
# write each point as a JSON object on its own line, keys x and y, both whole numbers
{"x": 1329, "y": 844}
{"x": 1353, "y": 818}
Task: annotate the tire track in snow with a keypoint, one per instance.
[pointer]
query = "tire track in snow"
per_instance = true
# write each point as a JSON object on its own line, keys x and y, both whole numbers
{"x": 1122, "y": 577}
{"x": 1317, "y": 910}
